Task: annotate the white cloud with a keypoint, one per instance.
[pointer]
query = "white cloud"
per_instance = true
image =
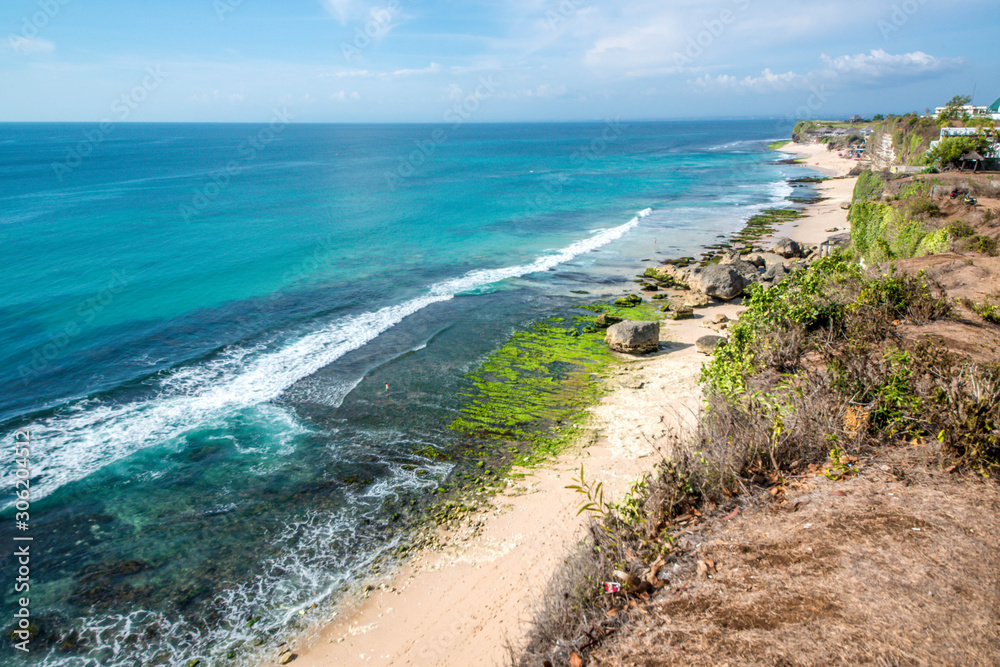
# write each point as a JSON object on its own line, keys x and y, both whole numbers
{"x": 433, "y": 68}
{"x": 878, "y": 64}
{"x": 341, "y": 95}
{"x": 216, "y": 96}
{"x": 767, "y": 82}
{"x": 31, "y": 46}
{"x": 870, "y": 68}
{"x": 352, "y": 73}
{"x": 374, "y": 21}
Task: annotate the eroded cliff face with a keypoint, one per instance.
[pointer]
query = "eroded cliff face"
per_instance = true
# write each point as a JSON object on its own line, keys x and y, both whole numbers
{"x": 897, "y": 140}
{"x": 880, "y": 154}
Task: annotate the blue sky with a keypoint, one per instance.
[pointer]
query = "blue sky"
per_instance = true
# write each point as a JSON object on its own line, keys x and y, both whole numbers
{"x": 495, "y": 60}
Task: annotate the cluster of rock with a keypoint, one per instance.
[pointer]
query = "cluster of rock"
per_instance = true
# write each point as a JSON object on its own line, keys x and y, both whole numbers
{"x": 729, "y": 278}
{"x": 725, "y": 280}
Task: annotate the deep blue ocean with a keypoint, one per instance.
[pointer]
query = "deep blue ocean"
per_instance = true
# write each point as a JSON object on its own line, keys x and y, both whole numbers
{"x": 197, "y": 324}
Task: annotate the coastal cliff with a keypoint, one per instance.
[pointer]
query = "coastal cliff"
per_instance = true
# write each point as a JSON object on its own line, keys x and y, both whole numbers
{"x": 832, "y": 485}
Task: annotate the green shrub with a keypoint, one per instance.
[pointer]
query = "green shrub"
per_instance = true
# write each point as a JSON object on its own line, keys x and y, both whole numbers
{"x": 797, "y": 303}
{"x": 986, "y": 245}
{"x": 915, "y": 188}
{"x": 936, "y": 242}
{"x": 880, "y": 232}
{"x": 988, "y": 312}
{"x": 960, "y": 229}
{"x": 950, "y": 150}
{"x": 869, "y": 187}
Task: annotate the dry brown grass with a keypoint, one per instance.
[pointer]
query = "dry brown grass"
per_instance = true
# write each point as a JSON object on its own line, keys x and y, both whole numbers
{"x": 897, "y": 565}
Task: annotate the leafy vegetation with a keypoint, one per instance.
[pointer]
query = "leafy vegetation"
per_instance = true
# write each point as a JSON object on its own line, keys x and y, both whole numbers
{"x": 953, "y": 109}
{"x": 787, "y": 307}
{"x": 881, "y": 232}
{"x": 869, "y": 187}
{"x": 988, "y": 312}
{"x": 950, "y": 150}
{"x": 922, "y": 207}
{"x": 903, "y": 390}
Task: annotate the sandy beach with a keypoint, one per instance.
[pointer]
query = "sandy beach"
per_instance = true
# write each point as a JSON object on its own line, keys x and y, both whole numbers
{"x": 465, "y": 601}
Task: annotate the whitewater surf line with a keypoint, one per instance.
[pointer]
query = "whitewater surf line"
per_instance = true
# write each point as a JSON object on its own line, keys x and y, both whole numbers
{"x": 89, "y": 434}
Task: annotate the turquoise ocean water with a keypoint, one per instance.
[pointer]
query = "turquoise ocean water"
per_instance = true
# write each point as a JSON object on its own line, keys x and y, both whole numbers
{"x": 197, "y": 323}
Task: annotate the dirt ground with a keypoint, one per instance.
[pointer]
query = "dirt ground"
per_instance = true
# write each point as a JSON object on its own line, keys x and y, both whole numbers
{"x": 896, "y": 565}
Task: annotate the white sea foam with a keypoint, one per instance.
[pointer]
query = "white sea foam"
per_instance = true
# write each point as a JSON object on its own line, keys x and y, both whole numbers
{"x": 780, "y": 190}
{"x": 287, "y": 591}
{"x": 90, "y": 434}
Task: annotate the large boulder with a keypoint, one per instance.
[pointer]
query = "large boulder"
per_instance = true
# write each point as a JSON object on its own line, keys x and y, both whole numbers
{"x": 725, "y": 280}
{"x": 787, "y": 248}
{"x": 775, "y": 274}
{"x": 708, "y": 344}
{"x": 634, "y": 337}
{"x": 771, "y": 259}
{"x": 749, "y": 270}
{"x": 720, "y": 281}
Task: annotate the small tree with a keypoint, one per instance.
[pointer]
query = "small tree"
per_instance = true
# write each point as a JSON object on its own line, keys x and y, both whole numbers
{"x": 950, "y": 150}
{"x": 953, "y": 109}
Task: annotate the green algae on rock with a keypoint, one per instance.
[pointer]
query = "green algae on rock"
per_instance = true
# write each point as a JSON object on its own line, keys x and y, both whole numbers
{"x": 533, "y": 390}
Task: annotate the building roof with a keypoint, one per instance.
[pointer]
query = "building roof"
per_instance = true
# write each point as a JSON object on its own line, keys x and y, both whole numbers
{"x": 995, "y": 107}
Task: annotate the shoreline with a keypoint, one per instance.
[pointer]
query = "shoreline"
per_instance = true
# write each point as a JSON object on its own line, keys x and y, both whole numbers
{"x": 464, "y": 600}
